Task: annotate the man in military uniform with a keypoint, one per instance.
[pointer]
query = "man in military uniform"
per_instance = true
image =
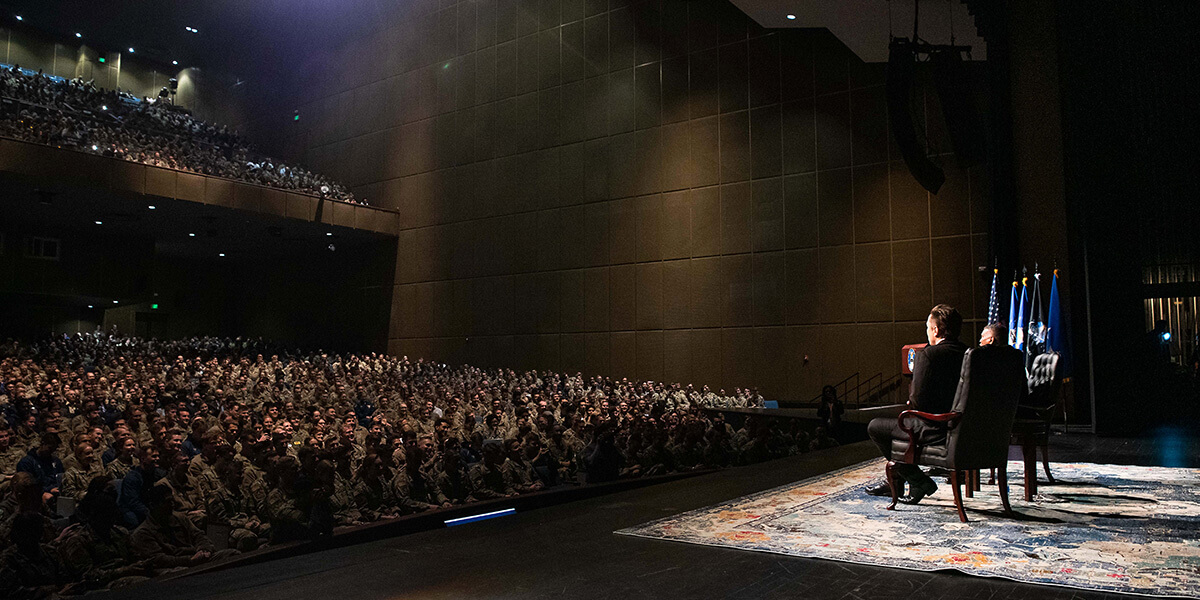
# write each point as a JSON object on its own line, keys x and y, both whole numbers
{"x": 87, "y": 467}
{"x": 230, "y": 507}
{"x": 168, "y": 539}
{"x": 489, "y": 478}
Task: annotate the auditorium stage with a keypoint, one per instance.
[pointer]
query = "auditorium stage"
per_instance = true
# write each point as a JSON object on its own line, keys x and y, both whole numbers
{"x": 570, "y": 550}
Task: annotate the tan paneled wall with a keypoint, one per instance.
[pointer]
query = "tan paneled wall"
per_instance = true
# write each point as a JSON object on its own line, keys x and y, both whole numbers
{"x": 659, "y": 190}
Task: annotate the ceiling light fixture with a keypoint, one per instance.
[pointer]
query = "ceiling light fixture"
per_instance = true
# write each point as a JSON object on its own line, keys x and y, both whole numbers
{"x": 175, "y": 62}
{"x": 221, "y": 254}
{"x": 791, "y": 17}
{"x": 191, "y": 235}
{"x": 152, "y": 207}
{"x": 131, "y": 50}
{"x": 20, "y": 18}
{"x": 328, "y": 233}
{"x": 116, "y": 302}
{"x": 90, "y": 306}
{"x": 78, "y": 35}
{"x": 99, "y": 222}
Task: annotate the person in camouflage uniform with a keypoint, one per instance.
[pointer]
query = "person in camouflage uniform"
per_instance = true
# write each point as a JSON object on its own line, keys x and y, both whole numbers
{"x": 167, "y": 539}
{"x": 489, "y": 478}
{"x": 413, "y": 485}
{"x": 87, "y": 467}
{"x": 228, "y": 506}
{"x": 97, "y": 548}
{"x": 31, "y": 569}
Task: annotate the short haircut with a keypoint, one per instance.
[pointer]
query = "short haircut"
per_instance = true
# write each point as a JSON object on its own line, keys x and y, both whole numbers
{"x": 948, "y": 321}
{"x": 999, "y": 333}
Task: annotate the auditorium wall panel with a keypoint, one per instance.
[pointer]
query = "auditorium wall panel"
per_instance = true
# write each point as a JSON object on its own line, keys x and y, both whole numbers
{"x": 655, "y": 188}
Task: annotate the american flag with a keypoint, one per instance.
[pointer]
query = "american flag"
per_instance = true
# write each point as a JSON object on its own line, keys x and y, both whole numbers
{"x": 994, "y": 301}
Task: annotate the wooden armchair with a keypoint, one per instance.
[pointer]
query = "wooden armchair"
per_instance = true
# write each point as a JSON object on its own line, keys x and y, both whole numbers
{"x": 1031, "y": 429}
{"x": 976, "y": 431}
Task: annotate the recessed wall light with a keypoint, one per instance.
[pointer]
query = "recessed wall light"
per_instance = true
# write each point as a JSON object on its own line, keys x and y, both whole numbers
{"x": 791, "y": 17}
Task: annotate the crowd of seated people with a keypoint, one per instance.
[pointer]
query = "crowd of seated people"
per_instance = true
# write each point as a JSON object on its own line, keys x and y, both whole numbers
{"x": 72, "y": 113}
{"x": 173, "y": 453}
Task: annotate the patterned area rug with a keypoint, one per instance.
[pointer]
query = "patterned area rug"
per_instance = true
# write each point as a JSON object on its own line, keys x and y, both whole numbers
{"x": 1104, "y": 527}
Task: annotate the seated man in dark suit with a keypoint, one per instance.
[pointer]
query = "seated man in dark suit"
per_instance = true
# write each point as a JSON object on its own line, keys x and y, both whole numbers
{"x": 936, "y": 370}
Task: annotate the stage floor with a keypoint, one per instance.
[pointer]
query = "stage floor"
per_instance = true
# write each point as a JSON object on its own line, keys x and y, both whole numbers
{"x": 570, "y": 550}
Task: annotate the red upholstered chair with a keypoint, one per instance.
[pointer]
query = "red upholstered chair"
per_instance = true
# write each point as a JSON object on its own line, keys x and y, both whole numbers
{"x": 978, "y": 428}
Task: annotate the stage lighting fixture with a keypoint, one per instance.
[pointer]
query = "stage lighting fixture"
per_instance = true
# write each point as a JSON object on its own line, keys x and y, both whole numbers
{"x": 328, "y": 233}
{"x": 95, "y": 147}
{"x": 221, "y": 254}
{"x": 131, "y": 50}
{"x": 152, "y": 207}
{"x": 1166, "y": 336}
{"x": 791, "y": 17}
{"x": 78, "y": 35}
{"x": 90, "y": 306}
{"x": 100, "y": 58}
{"x": 153, "y": 307}
{"x": 191, "y": 235}
{"x": 116, "y": 302}
{"x": 103, "y": 107}
{"x": 20, "y": 18}
{"x": 175, "y": 62}
{"x": 99, "y": 222}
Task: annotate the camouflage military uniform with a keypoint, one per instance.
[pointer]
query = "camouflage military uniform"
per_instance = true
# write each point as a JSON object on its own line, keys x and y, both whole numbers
{"x": 75, "y": 480}
{"x": 230, "y": 507}
{"x": 101, "y": 562}
{"x": 416, "y": 494}
{"x": 490, "y": 482}
{"x": 456, "y": 487}
{"x": 177, "y": 539}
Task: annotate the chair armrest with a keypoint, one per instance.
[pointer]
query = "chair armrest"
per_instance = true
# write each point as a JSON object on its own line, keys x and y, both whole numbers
{"x": 950, "y": 419}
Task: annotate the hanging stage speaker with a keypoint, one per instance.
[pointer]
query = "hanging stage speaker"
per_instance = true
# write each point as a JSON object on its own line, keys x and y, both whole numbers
{"x": 900, "y": 73}
{"x": 954, "y": 88}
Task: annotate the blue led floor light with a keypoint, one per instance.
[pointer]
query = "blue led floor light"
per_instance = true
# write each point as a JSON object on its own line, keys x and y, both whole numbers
{"x": 480, "y": 517}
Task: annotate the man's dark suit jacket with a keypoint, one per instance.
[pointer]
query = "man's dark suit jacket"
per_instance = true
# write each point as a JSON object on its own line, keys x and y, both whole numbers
{"x": 935, "y": 378}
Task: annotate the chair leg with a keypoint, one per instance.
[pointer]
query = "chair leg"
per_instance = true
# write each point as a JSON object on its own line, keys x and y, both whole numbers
{"x": 1046, "y": 463}
{"x": 969, "y": 484}
{"x": 1029, "y": 452}
{"x": 978, "y": 479}
{"x": 956, "y": 478}
{"x": 992, "y": 477}
{"x": 891, "y": 480}
{"x": 1004, "y": 490}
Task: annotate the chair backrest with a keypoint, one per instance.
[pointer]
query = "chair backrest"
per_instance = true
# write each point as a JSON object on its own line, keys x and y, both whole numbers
{"x": 989, "y": 388}
{"x": 1044, "y": 381}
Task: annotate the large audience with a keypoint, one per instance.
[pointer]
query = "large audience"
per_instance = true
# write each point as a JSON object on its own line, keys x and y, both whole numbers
{"x": 124, "y": 458}
{"x": 72, "y": 113}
